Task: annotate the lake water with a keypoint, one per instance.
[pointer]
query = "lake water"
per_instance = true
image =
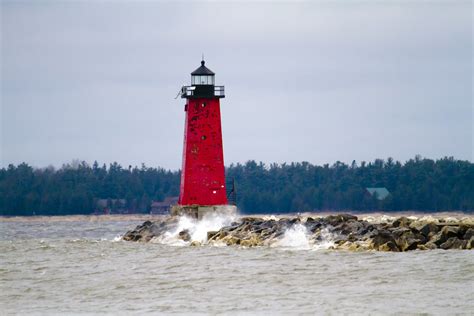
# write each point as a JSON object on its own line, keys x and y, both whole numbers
{"x": 75, "y": 265}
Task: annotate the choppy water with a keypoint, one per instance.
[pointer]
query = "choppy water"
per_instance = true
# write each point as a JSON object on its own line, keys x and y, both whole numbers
{"x": 78, "y": 266}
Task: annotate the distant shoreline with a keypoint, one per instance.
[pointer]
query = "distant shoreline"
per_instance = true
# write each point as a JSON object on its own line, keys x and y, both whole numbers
{"x": 144, "y": 217}
{"x": 389, "y": 185}
{"x": 73, "y": 218}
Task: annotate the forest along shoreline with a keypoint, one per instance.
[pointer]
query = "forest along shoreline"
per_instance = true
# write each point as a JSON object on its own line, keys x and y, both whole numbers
{"x": 418, "y": 184}
{"x": 344, "y": 231}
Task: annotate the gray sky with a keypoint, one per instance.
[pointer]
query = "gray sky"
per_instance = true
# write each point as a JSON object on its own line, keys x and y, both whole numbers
{"x": 306, "y": 81}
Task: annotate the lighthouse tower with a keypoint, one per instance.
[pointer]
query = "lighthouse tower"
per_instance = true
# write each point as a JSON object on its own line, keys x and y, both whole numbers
{"x": 203, "y": 187}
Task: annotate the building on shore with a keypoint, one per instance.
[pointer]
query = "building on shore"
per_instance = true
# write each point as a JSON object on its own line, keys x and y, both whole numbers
{"x": 164, "y": 206}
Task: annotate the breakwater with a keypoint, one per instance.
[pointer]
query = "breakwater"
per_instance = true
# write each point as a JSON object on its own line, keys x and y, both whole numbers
{"x": 342, "y": 231}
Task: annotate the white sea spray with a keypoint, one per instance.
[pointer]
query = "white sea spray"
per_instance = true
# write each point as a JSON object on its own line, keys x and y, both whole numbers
{"x": 295, "y": 237}
{"x": 326, "y": 242}
{"x": 369, "y": 219}
{"x": 197, "y": 229}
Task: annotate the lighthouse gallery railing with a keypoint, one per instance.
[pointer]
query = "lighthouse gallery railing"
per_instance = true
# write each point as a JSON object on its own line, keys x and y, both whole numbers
{"x": 190, "y": 91}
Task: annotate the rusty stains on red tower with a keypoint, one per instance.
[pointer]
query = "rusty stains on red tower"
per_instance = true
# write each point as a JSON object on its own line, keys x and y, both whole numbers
{"x": 203, "y": 174}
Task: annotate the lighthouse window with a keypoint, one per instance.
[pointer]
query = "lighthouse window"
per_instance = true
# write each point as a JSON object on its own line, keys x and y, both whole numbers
{"x": 203, "y": 137}
{"x": 203, "y": 105}
{"x": 200, "y": 80}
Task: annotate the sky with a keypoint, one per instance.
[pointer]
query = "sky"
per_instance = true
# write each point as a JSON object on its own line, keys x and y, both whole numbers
{"x": 319, "y": 81}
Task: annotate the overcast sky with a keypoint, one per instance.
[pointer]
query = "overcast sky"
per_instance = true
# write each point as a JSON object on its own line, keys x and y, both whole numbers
{"x": 306, "y": 81}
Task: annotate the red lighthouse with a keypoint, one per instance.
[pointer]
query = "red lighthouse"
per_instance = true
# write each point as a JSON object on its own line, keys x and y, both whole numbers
{"x": 203, "y": 187}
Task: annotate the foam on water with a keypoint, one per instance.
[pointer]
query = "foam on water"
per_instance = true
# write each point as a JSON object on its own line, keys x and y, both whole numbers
{"x": 296, "y": 237}
{"x": 326, "y": 242}
{"x": 197, "y": 229}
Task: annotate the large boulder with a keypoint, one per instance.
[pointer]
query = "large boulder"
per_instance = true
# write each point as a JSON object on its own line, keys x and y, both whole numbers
{"x": 383, "y": 236}
{"x": 368, "y": 231}
{"x": 140, "y": 233}
{"x": 184, "y": 235}
{"x": 405, "y": 239}
{"x": 470, "y": 243}
{"x": 231, "y": 240}
{"x": 334, "y": 220}
{"x": 251, "y": 242}
{"x": 355, "y": 246}
{"x": 437, "y": 239}
{"x": 350, "y": 226}
{"x": 313, "y": 224}
{"x": 444, "y": 234}
{"x": 427, "y": 246}
{"x": 388, "y": 246}
{"x": 402, "y": 222}
{"x": 468, "y": 234}
{"x": 454, "y": 243}
{"x": 426, "y": 229}
{"x": 450, "y": 231}
{"x": 211, "y": 234}
{"x": 407, "y": 244}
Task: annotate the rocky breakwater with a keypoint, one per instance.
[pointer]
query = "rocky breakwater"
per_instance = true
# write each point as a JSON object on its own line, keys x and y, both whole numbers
{"x": 343, "y": 231}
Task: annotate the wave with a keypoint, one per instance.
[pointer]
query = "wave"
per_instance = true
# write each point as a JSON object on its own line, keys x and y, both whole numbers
{"x": 196, "y": 231}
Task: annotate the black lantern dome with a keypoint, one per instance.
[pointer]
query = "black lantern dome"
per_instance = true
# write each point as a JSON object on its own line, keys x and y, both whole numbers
{"x": 203, "y": 70}
{"x": 202, "y": 75}
{"x": 202, "y": 84}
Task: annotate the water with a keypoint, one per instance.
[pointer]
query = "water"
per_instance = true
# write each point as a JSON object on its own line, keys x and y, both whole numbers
{"x": 79, "y": 266}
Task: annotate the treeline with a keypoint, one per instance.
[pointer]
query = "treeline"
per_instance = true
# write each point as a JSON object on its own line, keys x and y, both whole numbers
{"x": 419, "y": 184}
{"x": 76, "y": 188}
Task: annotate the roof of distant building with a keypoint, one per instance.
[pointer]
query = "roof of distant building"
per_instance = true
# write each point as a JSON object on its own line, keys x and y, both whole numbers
{"x": 170, "y": 200}
{"x": 381, "y": 193}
